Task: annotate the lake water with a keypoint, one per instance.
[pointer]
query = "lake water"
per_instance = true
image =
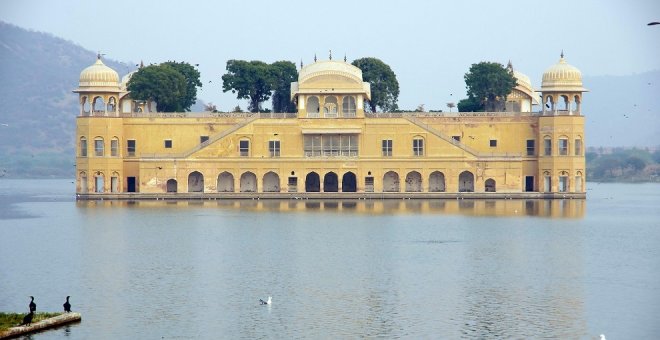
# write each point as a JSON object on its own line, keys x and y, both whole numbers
{"x": 338, "y": 269}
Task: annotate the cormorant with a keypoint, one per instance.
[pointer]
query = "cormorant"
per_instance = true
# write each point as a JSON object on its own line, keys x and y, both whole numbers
{"x": 67, "y": 305}
{"x": 27, "y": 320}
{"x": 33, "y": 306}
{"x": 265, "y": 302}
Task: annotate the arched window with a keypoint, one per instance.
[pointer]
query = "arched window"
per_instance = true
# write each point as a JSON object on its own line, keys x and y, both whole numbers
{"x": 330, "y": 107}
{"x": 549, "y": 104}
{"x": 348, "y": 182}
{"x": 418, "y": 146}
{"x": 437, "y": 182}
{"x": 83, "y": 182}
{"x": 114, "y": 182}
{"x": 99, "y": 182}
{"x": 547, "y": 181}
{"x": 248, "y": 182}
{"x": 85, "y": 106}
{"x": 330, "y": 182}
{"x": 578, "y": 182}
{"x": 313, "y": 107}
{"x": 225, "y": 182}
{"x": 576, "y": 104}
{"x": 112, "y": 104}
{"x": 271, "y": 182}
{"x": 348, "y": 106}
{"x": 547, "y": 146}
{"x": 413, "y": 182}
{"x": 466, "y": 182}
{"x": 391, "y": 182}
{"x": 312, "y": 182}
{"x": 99, "y": 147}
{"x": 562, "y": 146}
{"x": 578, "y": 146}
{"x": 563, "y": 99}
{"x": 98, "y": 104}
{"x": 171, "y": 185}
{"x": 114, "y": 147}
{"x": 563, "y": 181}
{"x": 83, "y": 147}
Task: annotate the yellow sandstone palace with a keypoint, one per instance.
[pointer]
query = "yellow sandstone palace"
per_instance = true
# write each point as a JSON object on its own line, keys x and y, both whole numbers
{"x": 331, "y": 147}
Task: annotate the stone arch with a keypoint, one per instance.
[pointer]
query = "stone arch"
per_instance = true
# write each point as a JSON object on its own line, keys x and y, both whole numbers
{"x": 349, "y": 182}
{"x": 348, "y": 107}
{"x": 579, "y": 182}
{"x": 82, "y": 178}
{"x": 248, "y": 182}
{"x": 98, "y": 104}
{"x": 271, "y": 182}
{"x": 172, "y": 185}
{"x": 85, "y": 105}
{"x": 330, "y": 107}
{"x": 195, "y": 182}
{"x": 547, "y": 181}
{"x": 489, "y": 185}
{"x": 565, "y": 103}
{"x": 549, "y": 104}
{"x": 313, "y": 106}
{"x": 437, "y": 182}
{"x": 466, "y": 182}
{"x": 330, "y": 182}
{"x": 391, "y": 182}
{"x": 413, "y": 182}
{"x": 575, "y": 107}
{"x": 114, "y": 182}
{"x": 112, "y": 104}
{"x": 563, "y": 184}
{"x": 312, "y": 182}
{"x": 99, "y": 146}
{"x": 99, "y": 182}
{"x": 225, "y": 182}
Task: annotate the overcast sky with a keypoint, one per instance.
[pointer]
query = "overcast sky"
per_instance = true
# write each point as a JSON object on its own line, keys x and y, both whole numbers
{"x": 429, "y": 44}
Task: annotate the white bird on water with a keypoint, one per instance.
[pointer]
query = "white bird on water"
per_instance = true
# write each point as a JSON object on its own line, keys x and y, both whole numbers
{"x": 266, "y": 302}
{"x": 602, "y": 337}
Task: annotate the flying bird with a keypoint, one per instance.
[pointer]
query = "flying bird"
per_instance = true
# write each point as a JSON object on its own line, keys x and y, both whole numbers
{"x": 67, "y": 305}
{"x": 653, "y": 23}
{"x": 266, "y": 302}
{"x": 33, "y": 306}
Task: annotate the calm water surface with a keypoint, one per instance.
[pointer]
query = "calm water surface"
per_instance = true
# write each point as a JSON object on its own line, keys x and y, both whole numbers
{"x": 339, "y": 269}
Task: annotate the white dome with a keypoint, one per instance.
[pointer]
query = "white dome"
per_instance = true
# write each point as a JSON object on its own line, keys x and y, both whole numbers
{"x": 99, "y": 75}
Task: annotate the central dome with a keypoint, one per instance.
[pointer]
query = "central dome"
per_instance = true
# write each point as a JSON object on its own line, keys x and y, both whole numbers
{"x": 99, "y": 75}
{"x": 562, "y": 76}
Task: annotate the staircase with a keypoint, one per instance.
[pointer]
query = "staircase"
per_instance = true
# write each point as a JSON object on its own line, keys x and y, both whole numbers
{"x": 218, "y": 136}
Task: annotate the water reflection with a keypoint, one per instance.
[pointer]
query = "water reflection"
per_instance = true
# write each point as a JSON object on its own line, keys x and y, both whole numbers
{"x": 565, "y": 208}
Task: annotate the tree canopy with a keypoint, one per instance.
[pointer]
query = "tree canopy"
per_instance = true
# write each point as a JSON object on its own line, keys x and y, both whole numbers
{"x": 489, "y": 83}
{"x": 283, "y": 73}
{"x": 250, "y": 80}
{"x": 173, "y": 86}
{"x": 384, "y": 86}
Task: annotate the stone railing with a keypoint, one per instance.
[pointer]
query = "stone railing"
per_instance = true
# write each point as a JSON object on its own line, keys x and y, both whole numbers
{"x": 448, "y": 114}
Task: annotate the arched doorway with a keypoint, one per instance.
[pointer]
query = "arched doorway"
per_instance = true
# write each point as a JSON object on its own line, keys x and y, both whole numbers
{"x": 413, "y": 182}
{"x": 99, "y": 182}
{"x": 437, "y": 182}
{"x": 348, "y": 182}
{"x": 391, "y": 182}
{"x": 330, "y": 182}
{"x": 225, "y": 182}
{"x": 271, "y": 182}
{"x": 83, "y": 182}
{"x": 490, "y": 185}
{"x": 466, "y": 182}
{"x": 195, "y": 182}
{"x": 312, "y": 182}
{"x": 171, "y": 185}
{"x": 248, "y": 182}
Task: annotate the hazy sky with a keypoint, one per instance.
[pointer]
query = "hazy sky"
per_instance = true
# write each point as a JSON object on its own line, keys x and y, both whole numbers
{"x": 429, "y": 44}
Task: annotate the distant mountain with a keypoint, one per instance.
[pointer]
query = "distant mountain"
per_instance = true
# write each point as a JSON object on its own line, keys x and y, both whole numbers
{"x": 38, "y": 72}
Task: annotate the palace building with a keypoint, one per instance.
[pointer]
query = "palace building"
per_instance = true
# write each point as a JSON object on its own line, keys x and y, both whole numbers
{"x": 331, "y": 147}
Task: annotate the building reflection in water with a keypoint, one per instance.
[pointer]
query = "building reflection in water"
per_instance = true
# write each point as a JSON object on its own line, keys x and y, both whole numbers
{"x": 565, "y": 208}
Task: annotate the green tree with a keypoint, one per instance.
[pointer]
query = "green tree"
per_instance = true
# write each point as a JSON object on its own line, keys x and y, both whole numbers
{"x": 384, "y": 86}
{"x": 162, "y": 84}
{"x": 635, "y": 163}
{"x": 250, "y": 80}
{"x": 192, "y": 82}
{"x": 470, "y": 104}
{"x": 490, "y": 83}
{"x": 282, "y": 74}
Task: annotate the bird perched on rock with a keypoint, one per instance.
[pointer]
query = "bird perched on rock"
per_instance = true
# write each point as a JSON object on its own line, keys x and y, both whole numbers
{"x": 27, "y": 320}
{"x": 33, "y": 306}
{"x": 67, "y": 305}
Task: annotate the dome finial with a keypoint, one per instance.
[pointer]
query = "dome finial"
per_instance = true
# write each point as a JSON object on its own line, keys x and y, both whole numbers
{"x": 344, "y": 57}
{"x": 509, "y": 65}
{"x": 301, "y": 63}
{"x": 562, "y": 53}
{"x": 330, "y": 54}
{"x": 314, "y": 57}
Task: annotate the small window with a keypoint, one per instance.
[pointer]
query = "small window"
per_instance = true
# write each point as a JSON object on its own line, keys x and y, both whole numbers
{"x": 203, "y": 139}
{"x": 274, "y": 148}
{"x": 578, "y": 147}
{"x": 130, "y": 147}
{"x": 531, "y": 147}
{"x": 493, "y": 143}
{"x": 83, "y": 147}
{"x": 456, "y": 138}
{"x": 244, "y": 148}
{"x": 168, "y": 144}
{"x": 547, "y": 147}
{"x": 98, "y": 147}
{"x": 387, "y": 147}
{"x": 563, "y": 146}
{"x": 418, "y": 147}
{"x": 114, "y": 147}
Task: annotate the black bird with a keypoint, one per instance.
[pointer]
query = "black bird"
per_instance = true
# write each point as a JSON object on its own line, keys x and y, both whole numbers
{"x": 33, "y": 306}
{"x": 27, "y": 320}
{"x": 67, "y": 305}
{"x": 653, "y": 23}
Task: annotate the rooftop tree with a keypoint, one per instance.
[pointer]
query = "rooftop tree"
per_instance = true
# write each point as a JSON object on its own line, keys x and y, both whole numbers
{"x": 384, "y": 86}
{"x": 250, "y": 80}
{"x": 162, "y": 84}
{"x": 489, "y": 84}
